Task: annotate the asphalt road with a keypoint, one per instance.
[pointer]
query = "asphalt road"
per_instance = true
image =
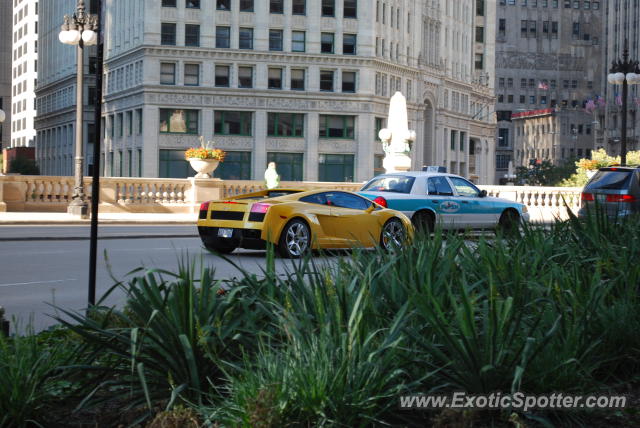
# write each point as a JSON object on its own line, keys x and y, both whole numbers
{"x": 42, "y": 265}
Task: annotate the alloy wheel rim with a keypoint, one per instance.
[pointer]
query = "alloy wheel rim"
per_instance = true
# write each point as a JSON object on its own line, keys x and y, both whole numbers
{"x": 297, "y": 239}
{"x": 393, "y": 234}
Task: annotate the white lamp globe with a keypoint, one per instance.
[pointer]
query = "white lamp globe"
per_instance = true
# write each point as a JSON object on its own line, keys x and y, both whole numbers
{"x": 63, "y": 36}
{"x": 632, "y": 78}
{"x": 384, "y": 134}
{"x": 2, "y": 116}
{"x": 89, "y": 37}
{"x": 619, "y": 78}
{"x": 74, "y": 37}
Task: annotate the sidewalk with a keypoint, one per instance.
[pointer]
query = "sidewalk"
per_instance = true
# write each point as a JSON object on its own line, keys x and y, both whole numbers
{"x": 47, "y": 218}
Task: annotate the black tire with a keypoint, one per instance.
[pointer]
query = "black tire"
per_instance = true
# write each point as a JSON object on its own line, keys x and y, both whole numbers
{"x": 509, "y": 223}
{"x": 423, "y": 222}
{"x": 393, "y": 234}
{"x": 295, "y": 239}
{"x": 219, "y": 248}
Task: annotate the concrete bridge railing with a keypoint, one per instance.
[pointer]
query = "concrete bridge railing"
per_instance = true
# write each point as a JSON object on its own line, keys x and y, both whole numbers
{"x": 165, "y": 195}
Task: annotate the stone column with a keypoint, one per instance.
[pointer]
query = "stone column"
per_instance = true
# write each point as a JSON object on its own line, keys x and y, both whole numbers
{"x": 311, "y": 153}
{"x": 259, "y": 145}
{"x": 150, "y": 136}
{"x": 365, "y": 147}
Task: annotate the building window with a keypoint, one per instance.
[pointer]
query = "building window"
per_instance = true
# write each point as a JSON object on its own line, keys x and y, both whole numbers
{"x": 192, "y": 74}
{"x": 275, "y": 78}
{"x": 326, "y": 80}
{"x": 502, "y": 27}
{"x": 348, "y": 44}
{"x": 290, "y": 165}
{"x": 168, "y": 34}
{"x": 479, "y": 61}
{"x": 191, "y": 35}
{"x": 275, "y": 40}
{"x": 298, "y": 7}
{"x": 167, "y": 73}
{"x": 298, "y": 39}
{"x": 503, "y": 137}
{"x": 139, "y": 115}
{"x": 222, "y": 76}
{"x": 222, "y": 37}
{"x": 120, "y": 125}
{"x": 246, "y": 38}
{"x": 236, "y": 166}
{"x": 502, "y": 161}
{"x": 193, "y": 4}
{"x": 350, "y": 8}
{"x": 326, "y": 43}
{"x": 232, "y": 123}
{"x": 348, "y": 81}
{"x": 129, "y": 126}
{"x": 333, "y": 126}
{"x": 333, "y": 167}
{"x": 245, "y": 77}
{"x": 223, "y": 4}
{"x": 285, "y": 125}
{"x": 297, "y": 79}
{"x": 532, "y": 99}
{"x": 480, "y": 34}
{"x": 246, "y": 5}
{"x": 328, "y": 7}
{"x": 168, "y": 3}
{"x": 172, "y": 164}
{"x": 178, "y": 121}
{"x": 275, "y": 6}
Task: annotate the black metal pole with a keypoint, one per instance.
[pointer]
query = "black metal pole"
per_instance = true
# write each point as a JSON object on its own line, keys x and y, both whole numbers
{"x": 95, "y": 185}
{"x": 623, "y": 131}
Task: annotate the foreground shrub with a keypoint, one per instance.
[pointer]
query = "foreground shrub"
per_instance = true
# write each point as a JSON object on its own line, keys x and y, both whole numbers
{"x": 32, "y": 376}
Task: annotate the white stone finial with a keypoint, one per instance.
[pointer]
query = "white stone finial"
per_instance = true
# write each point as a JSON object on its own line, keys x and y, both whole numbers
{"x": 397, "y": 137}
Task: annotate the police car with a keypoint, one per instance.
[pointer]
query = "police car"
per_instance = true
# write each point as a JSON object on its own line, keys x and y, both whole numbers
{"x": 429, "y": 198}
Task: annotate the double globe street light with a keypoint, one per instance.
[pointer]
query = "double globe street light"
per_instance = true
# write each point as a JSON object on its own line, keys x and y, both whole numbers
{"x": 79, "y": 30}
{"x": 624, "y": 72}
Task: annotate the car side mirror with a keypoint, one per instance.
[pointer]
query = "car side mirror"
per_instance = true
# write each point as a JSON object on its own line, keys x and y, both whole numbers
{"x": 370, "y": 209}
{"x": 482, "y": 194}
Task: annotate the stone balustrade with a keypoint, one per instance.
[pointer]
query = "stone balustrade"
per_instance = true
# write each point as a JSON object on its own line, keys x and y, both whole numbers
{"x": 165, "y": 195}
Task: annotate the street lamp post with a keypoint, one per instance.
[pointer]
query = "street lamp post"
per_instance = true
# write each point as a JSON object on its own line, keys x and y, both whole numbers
{"x": 79, "y": 30}
{"x": 624, "y": 72}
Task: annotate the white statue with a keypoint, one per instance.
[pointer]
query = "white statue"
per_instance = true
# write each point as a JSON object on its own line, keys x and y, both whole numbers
{"x": 397, "y": 137}
{"x": 271, "y": 177}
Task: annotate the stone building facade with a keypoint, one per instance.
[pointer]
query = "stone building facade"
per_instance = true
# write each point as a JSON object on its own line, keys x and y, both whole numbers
{"x": 304, "y": 83}
{"x": 6, "y": 24}
{"x": 24, "y": 72}
{"x": 548, "y": 55}
{"x": 622, "y": 21}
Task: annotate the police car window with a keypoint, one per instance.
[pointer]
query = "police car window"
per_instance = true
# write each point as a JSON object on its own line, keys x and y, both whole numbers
{"x": 345, "y": 200}
{"x": 318, "y": 198}
{"x": 439, "y": 186}
{"x": 390, "y": 183}
{"x": 463, "y": 187}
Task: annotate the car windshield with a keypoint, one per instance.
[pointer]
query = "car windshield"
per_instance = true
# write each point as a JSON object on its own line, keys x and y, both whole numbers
{"x": 611, "y": 180}
{"x": 390, "y": 183}
{"x": 273, "y": 194}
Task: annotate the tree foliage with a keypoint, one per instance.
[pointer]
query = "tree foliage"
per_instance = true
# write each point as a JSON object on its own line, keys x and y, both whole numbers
{"x": 24, "y": 166}
{"x": 599, "y": 159}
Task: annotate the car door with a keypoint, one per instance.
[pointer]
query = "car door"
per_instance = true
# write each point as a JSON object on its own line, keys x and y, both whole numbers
{"x": 441, "y": 198}
{"x": 475, "y": 211}
{"x": 350, "y": 222}
{"x": 319, "y": 209}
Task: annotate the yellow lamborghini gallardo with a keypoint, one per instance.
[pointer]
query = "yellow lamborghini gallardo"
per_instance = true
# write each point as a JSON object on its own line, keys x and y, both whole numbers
{"x": 297, "y": 221}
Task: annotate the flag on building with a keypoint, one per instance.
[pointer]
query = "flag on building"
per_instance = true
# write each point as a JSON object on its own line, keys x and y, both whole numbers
{"x": 618, "y": 99}
{"x": 590, "y": 106}
{"x": 543, "y": 86}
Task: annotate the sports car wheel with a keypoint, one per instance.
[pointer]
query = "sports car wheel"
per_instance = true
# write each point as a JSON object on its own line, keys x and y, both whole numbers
{"x": 509, "y": 222}
{"x": 423, "y": 221}
{"x": 393, "y": 234}
{"x": 219, "y": 248}
{"x": 295, "y": 239}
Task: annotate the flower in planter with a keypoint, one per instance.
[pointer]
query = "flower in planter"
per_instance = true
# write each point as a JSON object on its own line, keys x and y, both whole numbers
{"x": 204, "y": 151}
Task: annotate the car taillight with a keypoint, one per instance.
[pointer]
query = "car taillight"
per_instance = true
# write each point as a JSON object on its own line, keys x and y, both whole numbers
{"x": 586, "y": 196}
{"x": 621, "y": 198}
{"x": 381, "y": 201}
{"x": 229, "y": 202}
{"x": 260, "y": 207}
{"x": 204, "y": 206}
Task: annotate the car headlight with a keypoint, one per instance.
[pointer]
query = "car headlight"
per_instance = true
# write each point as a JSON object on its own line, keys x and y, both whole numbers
{"x": 524, "y": 209}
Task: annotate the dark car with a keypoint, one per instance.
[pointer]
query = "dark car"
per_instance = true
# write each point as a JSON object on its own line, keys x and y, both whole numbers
{"x": 615, "y": 190}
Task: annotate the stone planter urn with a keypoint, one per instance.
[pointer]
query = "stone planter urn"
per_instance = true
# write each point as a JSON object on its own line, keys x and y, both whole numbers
{"x": 203, "y": 167}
